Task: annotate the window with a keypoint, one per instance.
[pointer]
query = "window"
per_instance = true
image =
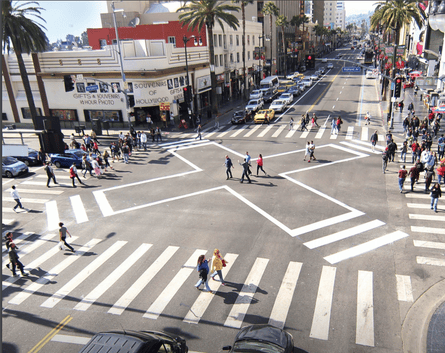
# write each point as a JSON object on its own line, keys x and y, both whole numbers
{"x": 26, "y": 113}
{"x": 221, "y": 60}
{"x": 225, "y": 41}
{"x": 237, "y": 40}
{"x": 231, "y": 58}
{"x": 225, "y": 59}
{"x": 172, "y": 40}
{"x": 215, "y": 37}
{"x": 103, "y": 43}
{"x": 64, "y": 114}
{"x": 231, "y": 39}
{"x": 237, "y": 57}
{"x": 248, "y": 40}
{"x": 220, "y": 40}
{"x": 216, "y": 60}
{"x": 253, "y": 40}
{"x": 104, "y": 115}
{"x": 248, "y": 55}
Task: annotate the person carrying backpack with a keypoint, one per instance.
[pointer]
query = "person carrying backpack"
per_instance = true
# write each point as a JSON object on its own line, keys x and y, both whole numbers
{"x": 203, "y": 270}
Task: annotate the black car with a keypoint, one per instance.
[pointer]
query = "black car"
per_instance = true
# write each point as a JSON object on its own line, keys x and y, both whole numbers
{"x": 135, "y": 342}
{"x": 240, "y": 117}
{"x": 262, "y": 338}
{"x": 31, "y": 159}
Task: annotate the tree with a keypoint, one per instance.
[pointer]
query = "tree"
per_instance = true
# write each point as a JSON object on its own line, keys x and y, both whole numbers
{"x": 243, "y": 15}
{"x": 270, "y": 9}
{"x": 318, "y": 33}
{"x": 198, "y": 13}
{"x": 282, "y": 22}
{"x": 25, "y": 36}
{"x": 297, "y": 21}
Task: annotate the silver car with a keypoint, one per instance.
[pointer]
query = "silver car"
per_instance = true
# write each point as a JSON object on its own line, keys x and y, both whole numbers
{"x": 11, "y": 167}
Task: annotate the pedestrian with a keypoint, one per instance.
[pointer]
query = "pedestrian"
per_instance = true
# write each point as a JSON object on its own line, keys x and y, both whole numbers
{"x": 312, "y": 151}
{"x": 149, "y": 121}
{"x": 401, "y": 105}
{"x": 441, "y": 172}
{"x": 402, "y": 176}
{"x": 198, "y": 130}
{"x": 259, "y": 166}
{"x": 291, "y": 124}
{"x": 15, "y": 195}
{"x": 333, "y": 126}
{"x": 429, "y": 172}
{"x": 441, "y": 147}
{"x": 144, "y": 140}
{"x": 247, "y": 156}
{"x": 436, "y": 192}
{"x": 392, "y": 148}
{"x": 203, "y": 270}
{"x": 218, "y": 263}
{"x": 95, "y": 147}
{"x": 126, "y": 152}
{"x": 105, "y": 157}
{"x": 303, "y": 124}
{"x": 339, "y": 122}
{"x": 388, "y": 138}
{"x": 385, "y": 157}
{"x": 403, "y": 151}
{"x": 158, "y": 134}
{"x": 374, "y": 139}
{"x": 73, "y": 172}
{"x": 228, "y": 164}
{"x": 96, "y": 167}
{"x": 307, "y": 151}
{"x": 414, "y": 175}
{"x": 50, "y": 173}
{"x": 414, "y": 148}
{"x": 367, "y": 118}
{"x": 62, "y": 237}
{"x": 245, "y": 166}
{"x": 86, "y": 166}
{"x": 41, "y": 156}
{"x": 13, "y": 256}
{"x": 314, "y": 120}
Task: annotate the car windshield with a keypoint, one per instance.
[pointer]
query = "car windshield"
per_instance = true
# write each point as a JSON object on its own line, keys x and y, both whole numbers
{"x": 253, "y": 103}
{"x": 79, "y": 154}
{"x": 285, "y": 95}
{"x": 257, "y": 346}
{"x": 255, "y": 92}
{"x": 277, "y": 103}
{"x": 8, "y": 160}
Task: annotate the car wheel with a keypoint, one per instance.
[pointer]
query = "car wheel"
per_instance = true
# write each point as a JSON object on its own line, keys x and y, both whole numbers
{"x": 27, "y": 163}
{"x": 8, "y": 174}
{"x": 58, "y": 165}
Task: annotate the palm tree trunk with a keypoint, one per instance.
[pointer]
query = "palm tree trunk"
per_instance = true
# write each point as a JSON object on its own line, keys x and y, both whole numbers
{"x": 284, "y": 52}
{"x": 27, "y": 87}
{"x": 271, "y": 41}
{"x": 244, "y": 49}
{"x": 212, "y": 72}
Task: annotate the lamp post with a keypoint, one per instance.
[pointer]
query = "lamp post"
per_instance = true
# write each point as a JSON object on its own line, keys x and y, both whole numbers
{"x": 125, "y": 85}
{"x": 197, "y": 41}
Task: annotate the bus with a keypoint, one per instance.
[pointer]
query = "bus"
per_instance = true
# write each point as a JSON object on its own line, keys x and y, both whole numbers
{"x": 369, "y": 55}
{"x": 270, "y": 82}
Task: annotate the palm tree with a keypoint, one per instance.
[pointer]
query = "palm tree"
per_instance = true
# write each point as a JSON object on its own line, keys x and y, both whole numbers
{"x": 318, "y": 33}
{"x": 282, "y": 22}
{"x": 243, "y": 14}
{"x": 270, "y": 9}
{"x": 25, "y": 36}
{"x": 198, "y": 13}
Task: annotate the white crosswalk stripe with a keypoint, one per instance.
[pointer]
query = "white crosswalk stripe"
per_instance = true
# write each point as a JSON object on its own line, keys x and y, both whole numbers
{"x": 404, "y": 288}
{"x": 226, "y": 132}
{"x": 349, "y": 133}
{"x": 239, "y": 131}
{"x": 320, "y": 132}
{"x": 252, "y": 131}
{"x": 265, "y": 131}
{"x": 306, "y": 133}
{"x": 365, "y": 309}
{"x": 279, "y": 131}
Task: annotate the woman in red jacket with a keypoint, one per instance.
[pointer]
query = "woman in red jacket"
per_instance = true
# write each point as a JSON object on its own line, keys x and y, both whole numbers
{"x": 259, "y": 166}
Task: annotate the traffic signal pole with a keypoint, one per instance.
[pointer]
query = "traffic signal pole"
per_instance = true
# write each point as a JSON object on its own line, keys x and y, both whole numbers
{"x": 393, "y": 75}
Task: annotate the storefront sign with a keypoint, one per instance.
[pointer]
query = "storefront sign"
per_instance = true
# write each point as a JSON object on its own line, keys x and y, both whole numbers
{"x": 204, "y": 83}
{"x": 164, "y": 107}
{"x": 150, "y": 94}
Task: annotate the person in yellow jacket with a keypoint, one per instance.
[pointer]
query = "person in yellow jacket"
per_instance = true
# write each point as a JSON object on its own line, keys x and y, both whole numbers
{"x": 217, "y": 265}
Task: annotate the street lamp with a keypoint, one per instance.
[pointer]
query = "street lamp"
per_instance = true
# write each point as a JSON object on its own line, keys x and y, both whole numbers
{"x": 125, "y": 84}
{"x": 197, "y": 41}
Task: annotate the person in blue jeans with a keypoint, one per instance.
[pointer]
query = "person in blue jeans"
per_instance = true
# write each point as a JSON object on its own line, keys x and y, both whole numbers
{"x": 203, "y": 270}
{"x": 435, "y": 194}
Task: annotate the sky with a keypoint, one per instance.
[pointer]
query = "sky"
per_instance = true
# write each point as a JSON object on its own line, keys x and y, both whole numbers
{"x": 74, "y": 17}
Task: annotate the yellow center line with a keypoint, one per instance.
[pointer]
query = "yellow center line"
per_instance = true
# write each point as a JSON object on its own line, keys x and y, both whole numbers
{"x": 51, "y": 334}
{"x": 321, "y": 95}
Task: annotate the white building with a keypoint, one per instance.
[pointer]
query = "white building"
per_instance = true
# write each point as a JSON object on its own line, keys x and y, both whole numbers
{"x": 330, "y": 14}
{"x": 340, "y": 19}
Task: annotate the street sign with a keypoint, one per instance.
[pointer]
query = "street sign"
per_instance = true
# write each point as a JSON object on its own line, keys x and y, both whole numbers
{"x": 92, "y": 88}
{"x": 352, "y": 69}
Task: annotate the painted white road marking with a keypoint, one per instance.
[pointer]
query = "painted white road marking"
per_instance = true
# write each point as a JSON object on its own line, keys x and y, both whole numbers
{"x": 404, "y": 288}
{"x": 365, "y": 310}
{"x": 78, "y": 209}
{"x": 52, "y": 215}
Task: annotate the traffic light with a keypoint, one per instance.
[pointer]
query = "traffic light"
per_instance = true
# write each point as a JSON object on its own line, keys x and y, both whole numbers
{"x": 310, "y": 61}
{"x": 187, "y": 94}
{"x": 398, "y": 87}
{"x": 131, "y": 101}
{"x": 69, "y": 83}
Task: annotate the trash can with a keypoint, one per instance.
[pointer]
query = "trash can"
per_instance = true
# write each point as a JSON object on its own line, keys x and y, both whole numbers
{"x": 96, "y": 126}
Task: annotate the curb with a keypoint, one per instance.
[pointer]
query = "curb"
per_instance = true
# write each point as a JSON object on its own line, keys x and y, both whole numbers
{"x": 416, "y": 323}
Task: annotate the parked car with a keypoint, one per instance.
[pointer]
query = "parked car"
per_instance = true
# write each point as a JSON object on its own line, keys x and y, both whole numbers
{"x": 66, "y": 159}
{"x": 12, "y": 167}
{"x": 330, "y": 66}
{"x": 240, "y": 117}
{"x": 279, "y": 105}
{"x": 31, "y": 159}
{"x": 135, "y": 342}
{"x": 262, "y": 338}
{"x": 254, "y": 105}
{"x": 256, "y": 94}
{"x": 292, "y": 75}
{"x": 288, "y": 97}
{"x": 264, "y": 116}
{"x": 307, "y": 82}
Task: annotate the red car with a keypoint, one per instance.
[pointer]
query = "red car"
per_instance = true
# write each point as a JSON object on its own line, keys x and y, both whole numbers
{"x": 408, "y": 85}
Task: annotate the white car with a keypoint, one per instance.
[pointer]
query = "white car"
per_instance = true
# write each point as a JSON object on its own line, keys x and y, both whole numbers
{"x": 307, "y": 82}
{"x": 291, "y": 76}
{"x": 288, "y": 97}
{"x": 330, "y": 65}
{"x": 256, "y": 94}
{"x": 302, "y": 87}
{"x": 279, "y": 105}
{"x": 324, "y": 60}
{"x": 371, "y": 74}
{"x": 254, "y": 105}
{"x": 314, "y": 77}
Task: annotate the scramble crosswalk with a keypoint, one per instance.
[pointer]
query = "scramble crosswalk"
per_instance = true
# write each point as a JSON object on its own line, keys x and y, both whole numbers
{"x": 104, "y": 281}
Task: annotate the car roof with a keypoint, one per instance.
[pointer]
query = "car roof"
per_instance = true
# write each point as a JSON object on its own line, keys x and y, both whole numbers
{"x": 264, "y": 332}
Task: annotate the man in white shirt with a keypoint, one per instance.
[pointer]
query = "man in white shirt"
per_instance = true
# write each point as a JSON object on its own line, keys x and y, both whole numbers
{"x": 144, "y": 140}
{"x": 15, "y": 195}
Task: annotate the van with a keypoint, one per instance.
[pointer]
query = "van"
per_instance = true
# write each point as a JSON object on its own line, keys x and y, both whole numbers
{"x": 270, "y": 82}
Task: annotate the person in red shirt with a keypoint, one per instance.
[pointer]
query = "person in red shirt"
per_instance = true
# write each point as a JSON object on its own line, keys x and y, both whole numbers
{"x": 414, "y": 147}
{"x": 402, "y": 176}
{"x": 414, "y": 174}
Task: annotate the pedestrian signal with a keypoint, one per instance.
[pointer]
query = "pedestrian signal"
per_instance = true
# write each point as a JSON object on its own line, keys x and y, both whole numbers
{"x": 69, "y": 83}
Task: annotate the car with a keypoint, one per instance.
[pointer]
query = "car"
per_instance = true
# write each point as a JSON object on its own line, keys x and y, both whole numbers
{"x": 240, "y": 117}
{"x": 322, "y": 70}
{"x": 67, "y": 158}
{"x": 352, "y": 48}
{"x": 297, "y": 79}
{"x": 264, "y": 116}
{"x": 135, "y": 342}
{"x": 314, "y": 77}
{"x": 292, "y": 75}
{"x": 288, "y": 97}
{"x": 282, "y": 89}
{"x": 294, "y": 90}
{"x": 12, "y": 167}
{"x": 408, "y": 84}
{"x": 319, "y": 73}
{"x": 279, "y": 105}
{"x": 330, "y": 65}
{"x": 307, "y": 82}
{"x": 254, "y": 105}
{"x": 270, "y": 95}
{"x": 302, "y": 87}
{"x": 31, "y": 159}
{"x": 338, "y": 56}
{"x": 302, "y": 68}
{"x": 371, "y": 74}
{"x": 262, "y": 338}
{"x": 324, "y": 60}
{"x": 255, "y": 94}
